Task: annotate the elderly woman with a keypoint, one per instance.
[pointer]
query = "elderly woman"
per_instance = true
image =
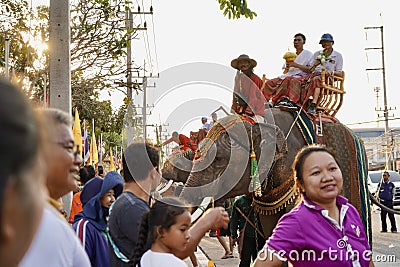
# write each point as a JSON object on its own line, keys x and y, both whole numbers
{"x": 21, "y": 175}
{"x": 324, "y": 229}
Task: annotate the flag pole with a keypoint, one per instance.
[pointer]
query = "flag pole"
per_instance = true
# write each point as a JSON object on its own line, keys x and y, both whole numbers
{"x": 101, "y": 151}
{"x": 116, "y": 155}
{"x": 84, "y": 142}
{"x": 92, "y": 156}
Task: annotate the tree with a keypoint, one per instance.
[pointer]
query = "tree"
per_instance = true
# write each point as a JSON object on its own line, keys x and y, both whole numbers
{"x": 98, "y": 53}
{"x": 99, "y": 40}
{"x": 234, "y": 9}
{"x": 24, "y": 29}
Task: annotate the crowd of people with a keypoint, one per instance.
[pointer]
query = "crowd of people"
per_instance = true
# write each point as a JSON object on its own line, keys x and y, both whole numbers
{"x": 116, "y": 220}
{"x": 41, "y": 163}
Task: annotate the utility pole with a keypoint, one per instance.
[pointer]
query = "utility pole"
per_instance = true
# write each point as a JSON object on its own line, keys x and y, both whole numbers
{"x": 385, "y": 107}
{"x": 45, "y": 91}
{"x": 129, "y": 21}
{"x": 129, "y": 70}
{"x": 377, "y": 89}
{"x": 162, "y": 131}
{"x": 144, "y": 111}
{"x": 60, "y": 64}
{"x": 7, "y": 56}
{"x": 60, "y": 58}
{"x": 145, "y": 105}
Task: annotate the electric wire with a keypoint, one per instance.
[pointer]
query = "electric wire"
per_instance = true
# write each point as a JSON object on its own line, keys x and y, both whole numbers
{"x": 148, "y": 47}
{"x": 144, "y": 37}
{"x": 154, "y": 40}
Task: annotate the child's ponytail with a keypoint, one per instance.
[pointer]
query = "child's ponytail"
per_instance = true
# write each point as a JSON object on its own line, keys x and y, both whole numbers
{"x": 142, "y": 238}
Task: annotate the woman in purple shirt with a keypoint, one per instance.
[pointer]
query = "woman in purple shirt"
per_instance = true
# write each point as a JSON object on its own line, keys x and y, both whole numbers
{"x": 322, "y": 230}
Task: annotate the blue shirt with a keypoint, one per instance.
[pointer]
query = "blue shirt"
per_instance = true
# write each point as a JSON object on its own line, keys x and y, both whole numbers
{"x": 386, "y": 191}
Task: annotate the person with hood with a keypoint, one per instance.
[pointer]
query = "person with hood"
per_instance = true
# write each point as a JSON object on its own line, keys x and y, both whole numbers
{"x": 97, "y": 196}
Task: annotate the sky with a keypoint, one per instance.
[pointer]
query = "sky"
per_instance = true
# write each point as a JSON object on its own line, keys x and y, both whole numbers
{"x": 193, "y": 36}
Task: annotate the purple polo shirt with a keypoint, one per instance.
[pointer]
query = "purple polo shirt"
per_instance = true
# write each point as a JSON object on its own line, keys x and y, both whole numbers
{"x": 306, "y": 236}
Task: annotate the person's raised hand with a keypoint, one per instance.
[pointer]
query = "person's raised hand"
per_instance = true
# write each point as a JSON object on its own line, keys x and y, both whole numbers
{"x": 216, "y": 218}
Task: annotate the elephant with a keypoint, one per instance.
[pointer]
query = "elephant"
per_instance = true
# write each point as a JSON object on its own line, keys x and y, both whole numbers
{"x": 177, "y": 167}
{"x": 222, "y": 166}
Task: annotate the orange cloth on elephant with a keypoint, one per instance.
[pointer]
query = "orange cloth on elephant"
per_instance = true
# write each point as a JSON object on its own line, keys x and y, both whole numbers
{"x": 249, "y": 88}
{"x": 296, "y": 89}
{"x": 185, "y": 143}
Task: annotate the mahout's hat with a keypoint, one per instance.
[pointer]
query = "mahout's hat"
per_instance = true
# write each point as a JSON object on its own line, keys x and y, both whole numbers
{"x": 234, "y": 63}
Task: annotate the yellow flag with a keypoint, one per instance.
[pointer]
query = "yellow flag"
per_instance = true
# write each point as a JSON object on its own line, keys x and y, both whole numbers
{"x": 77, "y": 132}
{"x": 112, "y": 166}
{"x": 94, "y": 155}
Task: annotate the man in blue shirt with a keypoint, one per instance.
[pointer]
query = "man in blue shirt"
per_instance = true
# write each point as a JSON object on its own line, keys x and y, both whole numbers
{"x": 386, "y": 194}
{"x": 205, "y": 124}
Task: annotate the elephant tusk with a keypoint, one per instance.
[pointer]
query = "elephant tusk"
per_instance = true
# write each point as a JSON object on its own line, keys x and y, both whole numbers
{"x": 165, "y": 188}
{"x": 204, "y": 204}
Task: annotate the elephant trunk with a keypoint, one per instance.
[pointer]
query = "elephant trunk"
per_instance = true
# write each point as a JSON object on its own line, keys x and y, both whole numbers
{"x": 192, "y": 192}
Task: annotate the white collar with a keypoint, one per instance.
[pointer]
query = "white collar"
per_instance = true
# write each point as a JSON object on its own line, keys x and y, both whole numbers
{"x": 342, "y": 215}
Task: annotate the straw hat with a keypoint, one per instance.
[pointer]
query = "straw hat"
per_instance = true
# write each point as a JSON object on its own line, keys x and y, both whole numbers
{"x": 234, "y": 63}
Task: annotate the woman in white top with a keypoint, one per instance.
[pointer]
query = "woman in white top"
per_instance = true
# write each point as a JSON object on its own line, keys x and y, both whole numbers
{"x": 167, "y": 225}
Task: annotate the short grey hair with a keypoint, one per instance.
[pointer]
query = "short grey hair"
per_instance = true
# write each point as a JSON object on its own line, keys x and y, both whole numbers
{"x": 58, "y": 116}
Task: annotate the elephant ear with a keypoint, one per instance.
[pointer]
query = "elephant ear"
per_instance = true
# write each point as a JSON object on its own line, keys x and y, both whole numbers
{"x": 182, "y": 163}
{"x": 269, "y": 144}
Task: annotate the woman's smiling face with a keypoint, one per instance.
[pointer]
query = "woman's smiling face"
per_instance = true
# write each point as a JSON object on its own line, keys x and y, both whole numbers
{"x": 322, "y": 178}
{"x": 108, "y": 198}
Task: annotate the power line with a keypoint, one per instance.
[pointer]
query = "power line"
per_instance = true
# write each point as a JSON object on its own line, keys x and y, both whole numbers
{"x": 366, "y": 122}
{"x": 148, "y": 46}
{"x": 144, "y": 35}
{"x": 154, "y": 37}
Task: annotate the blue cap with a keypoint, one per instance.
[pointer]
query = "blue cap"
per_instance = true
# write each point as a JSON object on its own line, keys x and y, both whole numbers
{"x": 326, "y": 37}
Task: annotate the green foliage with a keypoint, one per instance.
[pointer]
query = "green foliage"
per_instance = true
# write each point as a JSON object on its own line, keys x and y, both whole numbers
{"x": 234, "y": 9}
{"x": 98, "y": 55}
{"x": 17, "y": 23}
{"x": 111, "y": 140}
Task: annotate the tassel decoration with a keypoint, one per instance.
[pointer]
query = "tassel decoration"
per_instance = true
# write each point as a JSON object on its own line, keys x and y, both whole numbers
{"x": 254, "y": 175}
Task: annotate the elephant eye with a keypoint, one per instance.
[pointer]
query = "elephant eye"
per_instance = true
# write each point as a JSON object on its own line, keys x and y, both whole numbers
{"x": 237, "y": 144}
